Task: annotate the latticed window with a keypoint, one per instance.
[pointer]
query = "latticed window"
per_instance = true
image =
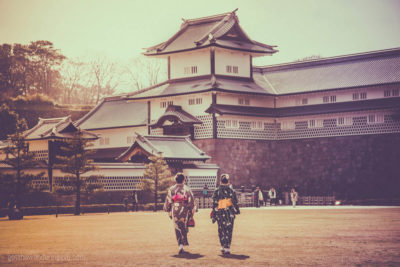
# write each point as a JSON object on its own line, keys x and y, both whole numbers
{"x": 232, "y": 69}
{"x": 376, "y": 118}
{"x": 356, "y": 96}
{"x": 342, "y": 121}
{"x": 395, "y": 92}
{"x": 257, "y": 125}
{"x": 304, "y": 101}
{"x": 244, "y": 101}
{"x": 231, "y": 124}
{"x": 190, "y": 70}
{"x": 386, "y": 93}
{"x": 363, "y": 96}
{"x": 315, "y": 123}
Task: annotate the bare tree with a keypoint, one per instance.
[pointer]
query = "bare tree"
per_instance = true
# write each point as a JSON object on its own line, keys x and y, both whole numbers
{"x": 105, "y": 75}
{"x": 73, "y": 72}
{"x": 144, "y": 72}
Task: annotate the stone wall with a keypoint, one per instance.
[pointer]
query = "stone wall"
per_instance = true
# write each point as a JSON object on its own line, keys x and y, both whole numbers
{"x": 350, "y": 167}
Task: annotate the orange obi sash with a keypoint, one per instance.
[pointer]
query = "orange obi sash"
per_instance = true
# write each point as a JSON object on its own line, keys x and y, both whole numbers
{"x": 224, "y": 203}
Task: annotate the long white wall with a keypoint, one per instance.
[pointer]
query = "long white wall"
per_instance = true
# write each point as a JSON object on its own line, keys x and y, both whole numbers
{"x": 254, "y": 101}
{"x": 340, "y": 96}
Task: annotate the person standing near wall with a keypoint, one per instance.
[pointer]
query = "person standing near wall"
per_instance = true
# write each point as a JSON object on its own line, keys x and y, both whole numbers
{"x": 260, "y": 197}
{"x": 179, "y": 204}
{"x": 294, "y": 196}
{"x": 225, "y": 207}
{"x": 272, "y": 196}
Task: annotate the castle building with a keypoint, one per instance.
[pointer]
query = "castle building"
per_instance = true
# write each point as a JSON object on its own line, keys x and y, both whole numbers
{"x": 328, "y": 124}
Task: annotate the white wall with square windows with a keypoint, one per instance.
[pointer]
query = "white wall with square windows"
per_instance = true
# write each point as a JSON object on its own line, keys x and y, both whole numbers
{"x": 232, "y": 63}
{"x": 189, "y": 64}
{"x": 117, "y": 137}
{"x": 254, "y": 101}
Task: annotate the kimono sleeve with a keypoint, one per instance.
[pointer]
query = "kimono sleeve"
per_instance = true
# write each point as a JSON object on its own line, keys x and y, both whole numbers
{"x": 190, "y": 198}
{"x": 168, "y": 201}
{"x": 235, "y": 202}
{"x": 215, "y": 199}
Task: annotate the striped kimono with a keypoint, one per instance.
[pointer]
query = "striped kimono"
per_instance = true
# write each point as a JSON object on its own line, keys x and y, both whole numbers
{"x": 180, "y": 202}
{"x": 225, "y": 206}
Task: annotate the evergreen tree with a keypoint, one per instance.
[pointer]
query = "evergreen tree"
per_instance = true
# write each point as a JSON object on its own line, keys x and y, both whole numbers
{"x": 157, "y": 177}
{"x": 76, "y": 162}
{"x": 15, "y": 184}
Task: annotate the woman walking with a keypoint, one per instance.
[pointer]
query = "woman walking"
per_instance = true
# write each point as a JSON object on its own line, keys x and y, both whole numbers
{"x": 179, "y": 204}
{"x": 225, "y": 206}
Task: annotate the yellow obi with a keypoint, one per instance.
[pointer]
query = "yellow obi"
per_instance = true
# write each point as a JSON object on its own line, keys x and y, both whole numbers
{"x": 224, "y": 203}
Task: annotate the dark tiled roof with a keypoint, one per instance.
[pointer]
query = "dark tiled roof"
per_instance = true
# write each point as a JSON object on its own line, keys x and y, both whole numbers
{"x": 203, "y": 84}
{"x": 241, "y": 110}
{"x": 219, "y": 30}
{"x": 107, "y": 154}
{"x": 115, "y": 113}
{"x": 380, "y": 67}
{"x": 55, "y": 128}
{"x": 176, "y": 112}
{"x": 350, "y": 106}
{"x": 170, "y": 147}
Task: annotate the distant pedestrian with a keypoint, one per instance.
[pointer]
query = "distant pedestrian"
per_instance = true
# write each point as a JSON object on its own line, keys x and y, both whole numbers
{"x": 224, "y": 210}
{"x": 179, "y": 204}
{"x": 294, "y": 196}
{"x": 272, "y": 196}
{"x": 135, "y": 201}
{"x": 126, "y": 203}
{"x": 257, "y": 197}
{"x": 260, "y": 197}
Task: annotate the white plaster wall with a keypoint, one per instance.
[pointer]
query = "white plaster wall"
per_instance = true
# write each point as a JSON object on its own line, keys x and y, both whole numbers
{"x": 36, "y": 145}
{"x": 225, "y": 57}
{"x": 332, "y": 116}
{"x": 244, "y": 118}
{"x": 117, "y": 136}
{"x": 200, "y": 172}
{"x": 183, "y": 101}
{"x": 255, "y": 101}
{"x": 316, "y": 98}
{"x": 199, "y": 58}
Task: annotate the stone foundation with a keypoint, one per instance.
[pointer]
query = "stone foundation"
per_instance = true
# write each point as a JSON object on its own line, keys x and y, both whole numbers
{"x": 348, "y": 167}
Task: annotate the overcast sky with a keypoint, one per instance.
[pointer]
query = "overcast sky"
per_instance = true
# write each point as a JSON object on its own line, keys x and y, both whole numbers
{"x": 121, "y": 28}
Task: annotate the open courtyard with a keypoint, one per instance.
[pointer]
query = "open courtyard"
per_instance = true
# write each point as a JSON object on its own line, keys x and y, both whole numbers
{"x": 272, "y": 236}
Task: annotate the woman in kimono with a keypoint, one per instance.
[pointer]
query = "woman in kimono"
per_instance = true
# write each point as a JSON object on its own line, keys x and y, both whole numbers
{"x": 179, "y": 204}
{"x": 225, "y": 207}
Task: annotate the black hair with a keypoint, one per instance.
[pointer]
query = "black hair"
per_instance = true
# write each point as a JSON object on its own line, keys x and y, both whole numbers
{"x": 179, "y": 178}
{"x": 224, "y": 179}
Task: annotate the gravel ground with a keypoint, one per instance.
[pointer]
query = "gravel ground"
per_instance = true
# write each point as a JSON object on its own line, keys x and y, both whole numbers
{"x": 269, "y": 236}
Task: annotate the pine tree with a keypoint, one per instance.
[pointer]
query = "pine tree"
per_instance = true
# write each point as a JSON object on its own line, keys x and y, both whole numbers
{"x": 157, "y": 177}
{"x": 75, "y": 160}
{"x": 16, "y": 184}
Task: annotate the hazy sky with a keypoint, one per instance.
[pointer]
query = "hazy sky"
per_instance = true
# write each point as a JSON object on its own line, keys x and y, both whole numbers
{"x": 121, "y": 28}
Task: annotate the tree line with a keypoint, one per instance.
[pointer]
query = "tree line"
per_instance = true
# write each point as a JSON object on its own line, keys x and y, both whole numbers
{"x": 40, "y": 68}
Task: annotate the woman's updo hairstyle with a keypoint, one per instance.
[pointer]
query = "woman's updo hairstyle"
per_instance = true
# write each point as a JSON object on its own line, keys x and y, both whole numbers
{"x": 179, "y": 177}
{"x": 224, "y": 178}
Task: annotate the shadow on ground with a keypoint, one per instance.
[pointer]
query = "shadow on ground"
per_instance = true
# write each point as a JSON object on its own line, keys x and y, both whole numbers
{"x": 235, "y": 256}
{"x": 188, "y": 255}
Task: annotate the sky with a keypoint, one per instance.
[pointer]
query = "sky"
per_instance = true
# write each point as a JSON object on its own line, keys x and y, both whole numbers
{"x": 120, "y": 29}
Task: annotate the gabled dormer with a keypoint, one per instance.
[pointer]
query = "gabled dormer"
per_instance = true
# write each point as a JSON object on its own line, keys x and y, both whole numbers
{"x": 214, "y": 45}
